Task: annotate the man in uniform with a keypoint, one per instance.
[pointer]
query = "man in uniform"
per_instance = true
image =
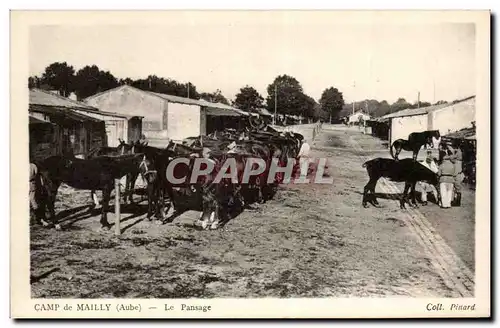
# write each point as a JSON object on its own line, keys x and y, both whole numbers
{"x": 459, "y": 176}
{"x": 35, "y": 207}
{"x": 143, "y": 141}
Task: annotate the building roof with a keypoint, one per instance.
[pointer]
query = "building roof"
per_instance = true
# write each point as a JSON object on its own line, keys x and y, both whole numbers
{"x": 414, "y": 111}
{"x": 181, "y": 100}
{"x": 103, "y": 113}
{"x": 175, "y": 99}
{"x": 422, "y": 110}
{"x": 47, "y": 98}
{"x": 34, "y": 120}
{"x": 220, "y": 112}
{"x": 466, "y": 133}
{"x": 264, "y": 111}
{"x": 63, "y": 112}
{"x": 220, "y": 106}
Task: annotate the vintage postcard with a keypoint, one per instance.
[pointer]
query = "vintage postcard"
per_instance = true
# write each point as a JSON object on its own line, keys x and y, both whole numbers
{"x": 250, "y": 164}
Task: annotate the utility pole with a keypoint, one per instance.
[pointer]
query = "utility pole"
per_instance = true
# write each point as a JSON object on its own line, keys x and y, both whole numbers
{"x": 418, "y": 100}
{"x": 275, "y": 102}
{"x": 434, "y": 91}
{"x": 188, "y": 89}
{"x": 353, "y": 102}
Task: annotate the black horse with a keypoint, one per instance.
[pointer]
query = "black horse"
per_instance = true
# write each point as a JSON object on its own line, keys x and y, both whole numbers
{"x": 122, "y": 149}
{"x": 415, "y": 141}
{"x": 406, "y": 170}
{"x": 89, "y": 174}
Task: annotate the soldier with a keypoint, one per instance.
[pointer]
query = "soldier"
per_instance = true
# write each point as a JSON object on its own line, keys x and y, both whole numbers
{"x": 143, "y": 141}
{"x": 35, "y": 206}
{"x": 446, "y": 174}
{"x": 459, "y": 175}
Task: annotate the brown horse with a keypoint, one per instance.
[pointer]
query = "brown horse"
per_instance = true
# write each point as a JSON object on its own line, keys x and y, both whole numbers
{"x": 97, "y": 173}
{"x": 415, "y": 141}
{"x": 122, "y": 149}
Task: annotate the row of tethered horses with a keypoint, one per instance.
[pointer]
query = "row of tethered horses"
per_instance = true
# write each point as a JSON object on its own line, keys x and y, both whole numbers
{"x": 217, "y": 202}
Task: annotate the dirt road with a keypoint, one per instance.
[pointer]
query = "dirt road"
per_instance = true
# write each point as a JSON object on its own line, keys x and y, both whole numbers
{"x": 312, "y": 240}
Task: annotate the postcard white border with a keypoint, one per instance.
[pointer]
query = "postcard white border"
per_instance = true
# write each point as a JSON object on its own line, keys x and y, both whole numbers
{"x": 22, "y": 306}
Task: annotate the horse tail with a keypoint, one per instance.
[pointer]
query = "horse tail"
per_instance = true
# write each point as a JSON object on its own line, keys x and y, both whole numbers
{"x": 390, "y": 149}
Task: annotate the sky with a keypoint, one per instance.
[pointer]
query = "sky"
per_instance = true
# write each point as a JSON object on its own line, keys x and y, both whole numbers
{"x": 362, "y": 60}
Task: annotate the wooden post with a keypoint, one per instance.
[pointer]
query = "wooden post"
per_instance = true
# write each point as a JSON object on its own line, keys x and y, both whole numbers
{"x": 117, "y": 207}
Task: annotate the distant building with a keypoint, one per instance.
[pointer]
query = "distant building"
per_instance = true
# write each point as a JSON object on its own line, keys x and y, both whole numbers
{"x": 77, "y": 127}
{"x": 354, "y": 118}
{"x": 446, "y": 118}
{"x": 166, "y": 116}
{"x": 63, "y": 131}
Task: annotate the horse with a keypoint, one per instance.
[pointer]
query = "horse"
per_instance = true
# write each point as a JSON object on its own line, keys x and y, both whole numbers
{"x": 415, "y": 141}
{"x": 97, "y": 173}
{"x": 122, "y": 149}
{"x": 153, "y": 169}
{"x": 406, "y": 170}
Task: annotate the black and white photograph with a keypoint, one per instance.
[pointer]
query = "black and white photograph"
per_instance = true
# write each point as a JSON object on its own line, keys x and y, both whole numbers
{"x": 181, "y": 158}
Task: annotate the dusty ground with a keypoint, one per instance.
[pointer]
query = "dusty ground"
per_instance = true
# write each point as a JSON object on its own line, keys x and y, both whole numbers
{"x": 310, "y": 241}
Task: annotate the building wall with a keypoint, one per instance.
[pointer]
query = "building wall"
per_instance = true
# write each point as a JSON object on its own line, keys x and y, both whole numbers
{"x": 203, "y": 123}
{"x": 43, "y": 141}
{"x": 116, "y": 127}
{"x": 401, "y": 127}
{"x": 454, "y": 117}
{"x": 183, "y": 121}
{"x": 126, "y": 100}
{"x": 134, "y": 129}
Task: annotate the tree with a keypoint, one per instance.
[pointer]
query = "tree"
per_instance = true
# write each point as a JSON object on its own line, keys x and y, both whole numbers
{"x": 34, "y": 82}
{"x": 332, "y": 101}
{"x": 309, "y": 107}
{"x": 126, "y": 81}
{"x": 400, "y": 104}
{"x": 215, "y": 97}
{"x": 424, "y": 104}
{"x": 289, "y": 95}
{"x": 383, "y": 109}
{"x": 248, "y": 99}
{"x": 167, "y": 86}
{"x": 441, "y": 102}
{"x": 60, "y": 76}
{"x": 91, "y": 80}
{"x": 319, "y": 113}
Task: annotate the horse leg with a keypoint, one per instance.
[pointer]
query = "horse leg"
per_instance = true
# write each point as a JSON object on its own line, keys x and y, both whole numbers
{"x": 160, "y": 204}
{"x": 413, "y": 194}
{"x": 398, "y": 151}
{"x": 106, "y": 196}
{"x": 369, "y": 193}
{"x": 95, "y": 201}
{"x": 366, "y": 190}
{"x": 150, "y": 201}
{"x": 170, "y": 193}
{"x": 215, "y": 216}
{"x": 127, "y": 188}
{"x": 51, "y": 200}
{"x": 131, "y": 186}
{"x": 403, "y": 196}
